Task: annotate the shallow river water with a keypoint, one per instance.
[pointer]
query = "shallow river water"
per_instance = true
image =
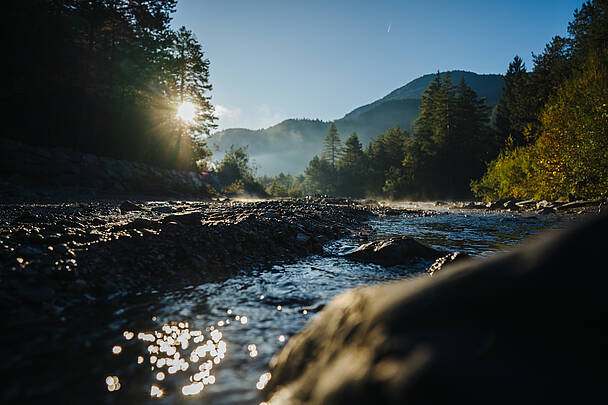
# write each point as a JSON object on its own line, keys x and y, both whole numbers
{"x": 212, "y": 343}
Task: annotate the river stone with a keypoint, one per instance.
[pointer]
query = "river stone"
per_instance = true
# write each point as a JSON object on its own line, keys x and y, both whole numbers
{"x": 521, "y": 327}
{"x": 576, "y": 204}
{"x": 28, "y": 251}
{"x": 443, "y": 262}
{"x": 128, "y": 206}
{"x": 191, "y": 218}
{"x": 302, "y": 238}
{"x": 546, "y": 211}
{"x": 392, "y": 251}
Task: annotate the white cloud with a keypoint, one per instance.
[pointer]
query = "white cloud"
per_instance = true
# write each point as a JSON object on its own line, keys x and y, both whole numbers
{"x": 266, "y": 117}
{"x": 227, "y": 112}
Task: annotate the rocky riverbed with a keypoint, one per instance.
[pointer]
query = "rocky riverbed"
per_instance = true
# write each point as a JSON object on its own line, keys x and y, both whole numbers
{"x": 58, "y": 256}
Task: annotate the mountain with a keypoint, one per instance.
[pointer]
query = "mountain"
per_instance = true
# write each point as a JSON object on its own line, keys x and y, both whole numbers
{"x": 488, "y": 86}
{"x": 289, "y": 145}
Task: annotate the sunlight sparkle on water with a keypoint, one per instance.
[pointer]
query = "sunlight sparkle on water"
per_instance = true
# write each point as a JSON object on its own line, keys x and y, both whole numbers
{"x": 112, "y": 383}
{"x": 168, "y": 349}
{"x": 263, "y": 380}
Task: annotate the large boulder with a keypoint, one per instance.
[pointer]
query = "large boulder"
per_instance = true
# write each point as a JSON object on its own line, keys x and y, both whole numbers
{"x": 521, "y": 327}
{"x": 392, "y": 251}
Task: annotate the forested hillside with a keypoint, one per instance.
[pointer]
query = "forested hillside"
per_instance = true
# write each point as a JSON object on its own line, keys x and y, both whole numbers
{"x": 289, "y": 145}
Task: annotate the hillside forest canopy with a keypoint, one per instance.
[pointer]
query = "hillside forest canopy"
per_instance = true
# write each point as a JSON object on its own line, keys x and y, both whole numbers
{"x": 108, "y": 77}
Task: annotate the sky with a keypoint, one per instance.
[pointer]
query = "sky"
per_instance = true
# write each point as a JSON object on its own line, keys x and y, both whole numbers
{"x": 278, "y": 59}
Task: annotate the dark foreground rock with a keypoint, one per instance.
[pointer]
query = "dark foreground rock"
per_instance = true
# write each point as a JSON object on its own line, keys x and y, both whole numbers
{"x": 393, "y": 251}
{"x": 524, "y": 327}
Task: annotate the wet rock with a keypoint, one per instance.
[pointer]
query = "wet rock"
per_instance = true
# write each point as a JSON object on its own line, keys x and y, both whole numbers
{"x": 139, "y": 223}
{"x": 544, "y": 204}
{"x": 392, "y": 251}
{"x": 444, "y": 261}
{"x": 128, "y": 206}
{"x": 576, "y": 204}
{"x": 455, "y": 338}
{"x": 27, "y": 218}
{"x": 473, "y": 205}
{"x": 494, "y": 205}
{"x": 546, "y": 211}
{"x": 164, "y": 209}
{"x": 526, "y": 204}
{"x": 28, "y": 251}
{"x": 302, "y": 238}
{"x": 36, "y": 293}
{"x": 192, "y": 218}
{"x": 64, "y": 250}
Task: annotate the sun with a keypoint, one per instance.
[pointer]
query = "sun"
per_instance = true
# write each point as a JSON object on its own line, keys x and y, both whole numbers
{"x": 186, "y": 111}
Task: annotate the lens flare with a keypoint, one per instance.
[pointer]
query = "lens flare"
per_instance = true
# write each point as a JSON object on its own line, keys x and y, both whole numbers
{"x": 186, "y": 111}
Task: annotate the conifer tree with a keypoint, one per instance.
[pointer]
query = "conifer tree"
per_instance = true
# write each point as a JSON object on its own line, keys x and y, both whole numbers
{"x": 332, "y": 147}
{"x": 352, "y": 168}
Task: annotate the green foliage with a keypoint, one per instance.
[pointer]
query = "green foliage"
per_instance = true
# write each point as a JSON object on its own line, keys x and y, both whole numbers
{"x": 510, "y": 175}
{"x": 282, "y": 185}
{"x": 235, "y": 171}
{"x": 332, "y": 146}
{"x": 450, "y": 143}
{"x": 320, "y": 177}
{"x": 387, "y": 151}
{"x": 352, "y": 168}
{"x": 103, "y": 77}
{"x": 236, "y": 188}
{"x": 566, "y": 132}
{"x": 573, "y": 144}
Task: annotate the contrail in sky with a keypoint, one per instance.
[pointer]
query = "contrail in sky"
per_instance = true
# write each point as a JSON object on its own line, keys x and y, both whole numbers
{"x": 389, "y": 28}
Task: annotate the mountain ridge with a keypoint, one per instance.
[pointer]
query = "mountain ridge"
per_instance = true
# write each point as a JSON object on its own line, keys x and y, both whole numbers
{"x": 288, "y": 145}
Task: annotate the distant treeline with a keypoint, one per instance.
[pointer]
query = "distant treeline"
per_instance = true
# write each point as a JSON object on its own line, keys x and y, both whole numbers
{"x": 106, "y": 77}
{"x": 450, "y": 142}
{"x": 546, "y": 138}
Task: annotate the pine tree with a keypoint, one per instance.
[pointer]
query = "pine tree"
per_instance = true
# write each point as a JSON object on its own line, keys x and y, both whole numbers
{"x": 352, "y": 167}
{"x": 332, "y": 147}
{"x": 515, "y": 110}
{"x": 188, "y": 72}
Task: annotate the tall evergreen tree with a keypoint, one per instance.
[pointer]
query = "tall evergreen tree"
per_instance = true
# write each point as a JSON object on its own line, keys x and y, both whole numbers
{"x": 332, "y": 146}
{"x": 188, "y": 74}
{"x": 515, "y": 110}
{"x": 352, "y": 168}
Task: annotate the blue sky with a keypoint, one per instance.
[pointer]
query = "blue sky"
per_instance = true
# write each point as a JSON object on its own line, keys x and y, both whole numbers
{"x": 273, "y": 59}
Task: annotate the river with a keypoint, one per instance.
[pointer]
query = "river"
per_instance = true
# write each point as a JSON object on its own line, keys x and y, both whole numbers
{"x": 211, "y": 343}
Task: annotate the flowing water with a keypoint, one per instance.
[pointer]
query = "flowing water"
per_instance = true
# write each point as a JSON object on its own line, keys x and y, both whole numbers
{"x": 211, "y": 343}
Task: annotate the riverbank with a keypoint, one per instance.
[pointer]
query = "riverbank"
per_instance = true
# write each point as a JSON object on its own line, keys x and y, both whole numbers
{"x": 65, "y": 255}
